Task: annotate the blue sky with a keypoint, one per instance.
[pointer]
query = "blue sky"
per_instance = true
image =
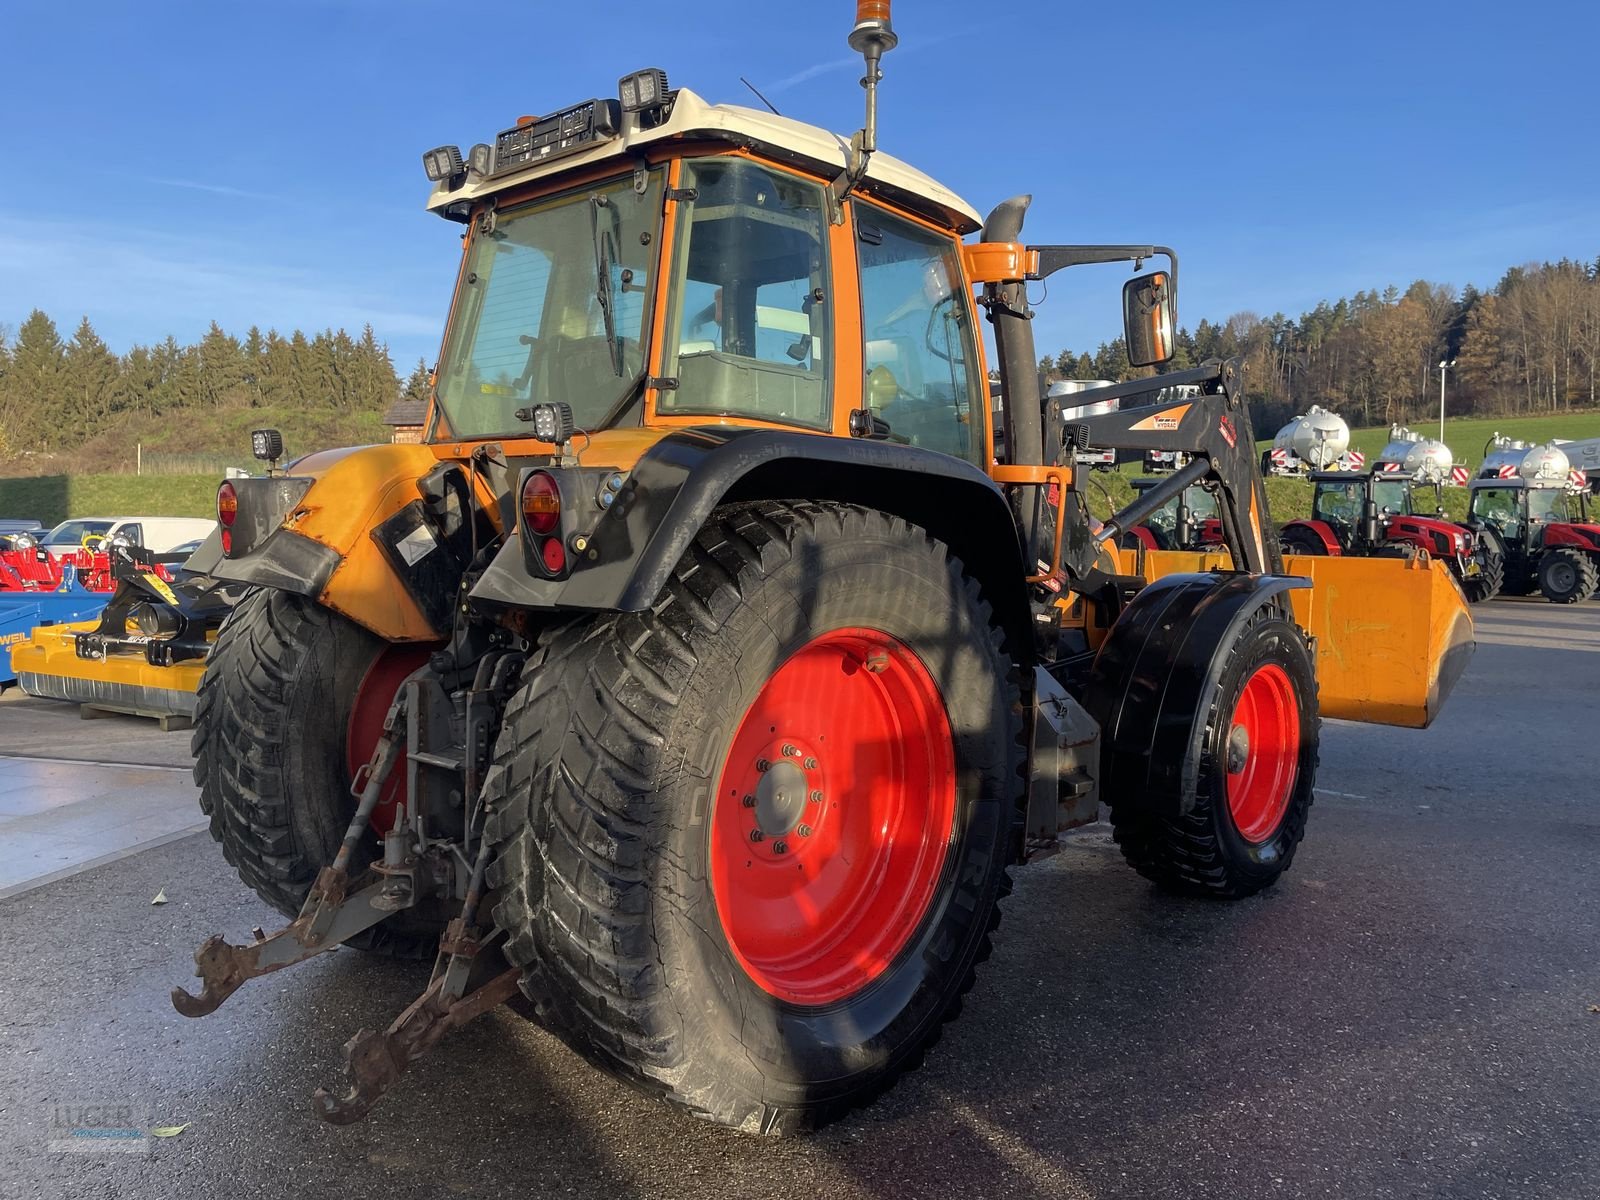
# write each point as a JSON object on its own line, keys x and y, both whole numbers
{"x": 170, "y": 163}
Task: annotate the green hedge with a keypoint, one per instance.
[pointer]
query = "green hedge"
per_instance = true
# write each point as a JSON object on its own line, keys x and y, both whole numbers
{"x": 55, "y": 498}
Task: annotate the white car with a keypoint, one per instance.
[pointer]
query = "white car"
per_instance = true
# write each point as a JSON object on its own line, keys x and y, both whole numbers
{"x": 156, "y": 534}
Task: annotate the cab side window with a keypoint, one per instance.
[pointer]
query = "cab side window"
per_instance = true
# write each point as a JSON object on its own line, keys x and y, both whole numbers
{"x": 749, "y": 334}
{"x": 921, "y": 365}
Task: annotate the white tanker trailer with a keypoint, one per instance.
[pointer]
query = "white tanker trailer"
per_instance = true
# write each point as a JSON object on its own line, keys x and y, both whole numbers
{"x": 1425, "y": 459}
{"x": 1318, "y": 440}
{"x": 1544, "y": 466}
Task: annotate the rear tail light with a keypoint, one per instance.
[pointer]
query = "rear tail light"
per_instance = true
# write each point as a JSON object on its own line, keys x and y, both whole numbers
{"x": 541, "y": 503}
{"x": 227, "y": 505}
{"x": 554, "y": 556}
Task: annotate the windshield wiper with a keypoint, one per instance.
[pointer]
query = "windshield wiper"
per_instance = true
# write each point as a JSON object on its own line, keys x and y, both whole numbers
{"x": 603, "y": 242}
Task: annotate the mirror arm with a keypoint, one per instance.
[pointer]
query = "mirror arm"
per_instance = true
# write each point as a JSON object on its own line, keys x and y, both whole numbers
{"x": 1053, "y": 258}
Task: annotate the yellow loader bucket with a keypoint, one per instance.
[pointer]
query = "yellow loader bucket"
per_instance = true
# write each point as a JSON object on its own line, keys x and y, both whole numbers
{"x": 1392, "y": 635}
{"x": 47, "y": 665}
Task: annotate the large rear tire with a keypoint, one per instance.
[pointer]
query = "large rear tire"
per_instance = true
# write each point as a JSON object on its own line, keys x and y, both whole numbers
{"x": 1295, "y": 540}
{"x": 751, "y": 842}
{"x": 1567, "y": 576}
{"x": 1256, "y": 773}
{"x": 273, "y": 713}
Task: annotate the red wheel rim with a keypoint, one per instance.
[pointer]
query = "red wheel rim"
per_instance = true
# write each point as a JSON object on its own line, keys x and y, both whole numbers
{"x": 1263, "y": 752}
{"x": 376, "y": 693}
{"x": 833, "y": 817}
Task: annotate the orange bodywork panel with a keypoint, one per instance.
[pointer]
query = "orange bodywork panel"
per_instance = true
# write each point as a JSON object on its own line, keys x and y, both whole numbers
{"x": 356, "y": 491}
{"x": 1392, "y": 635}
{"x": 999, "y": 262}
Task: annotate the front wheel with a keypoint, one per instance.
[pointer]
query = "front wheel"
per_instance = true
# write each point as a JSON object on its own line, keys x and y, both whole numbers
{"x": 1253, "y": 780}
{"x": 1485, "y": 584}
{"x": 1567, "y": 576}
{"x": 751, "y": 842}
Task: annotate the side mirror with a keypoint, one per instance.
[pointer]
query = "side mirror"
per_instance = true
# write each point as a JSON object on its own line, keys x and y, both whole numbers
{"x": 1148, "y": 318}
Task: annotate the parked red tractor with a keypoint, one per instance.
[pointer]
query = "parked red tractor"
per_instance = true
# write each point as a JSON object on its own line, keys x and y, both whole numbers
{"x": 1189, "y": 521}
{"x": 1529, "y": 502}
{"x": 1386, "y": 512}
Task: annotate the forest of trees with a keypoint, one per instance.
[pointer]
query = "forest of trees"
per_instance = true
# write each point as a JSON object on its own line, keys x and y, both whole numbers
{"x": 1531, "y": 345}
{"x": 56, "y": 394}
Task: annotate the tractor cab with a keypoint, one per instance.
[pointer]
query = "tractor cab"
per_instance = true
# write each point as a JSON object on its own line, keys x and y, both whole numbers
{"x": 1339, "y": 500}
{"x": 1524, "y": 516}
{"x": 1189, "y": 521}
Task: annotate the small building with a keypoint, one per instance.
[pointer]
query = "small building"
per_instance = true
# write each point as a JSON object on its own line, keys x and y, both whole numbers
{"x": 405, "y": 420}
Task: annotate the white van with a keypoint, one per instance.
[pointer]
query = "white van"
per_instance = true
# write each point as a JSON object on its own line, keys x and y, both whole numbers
{"x": 159, "y": 535}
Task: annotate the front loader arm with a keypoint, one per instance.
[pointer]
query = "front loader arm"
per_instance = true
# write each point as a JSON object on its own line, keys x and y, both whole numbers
{"x": 1213, "y": 428}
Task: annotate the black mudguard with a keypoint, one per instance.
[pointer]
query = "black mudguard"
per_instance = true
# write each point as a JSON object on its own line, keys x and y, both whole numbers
{"x": 1158, "y": 667}
{"x": 671, "y": 491}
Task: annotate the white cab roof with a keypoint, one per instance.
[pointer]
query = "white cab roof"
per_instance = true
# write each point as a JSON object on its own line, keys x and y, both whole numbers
{"x": 805, "y": 145}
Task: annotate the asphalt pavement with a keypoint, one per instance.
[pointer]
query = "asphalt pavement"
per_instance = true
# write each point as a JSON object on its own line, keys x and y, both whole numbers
{"x": 1413, "y": 1011}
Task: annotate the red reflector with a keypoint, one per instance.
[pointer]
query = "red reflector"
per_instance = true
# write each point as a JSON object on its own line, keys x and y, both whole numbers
{"x": 541, "y": 503}
{"x": 227, "y": 505}
{"x": 554, "y": 555}
{"x": 227, "y": 541}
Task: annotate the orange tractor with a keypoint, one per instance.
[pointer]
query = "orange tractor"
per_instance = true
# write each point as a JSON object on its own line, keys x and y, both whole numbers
{"x": 703, "y": 676}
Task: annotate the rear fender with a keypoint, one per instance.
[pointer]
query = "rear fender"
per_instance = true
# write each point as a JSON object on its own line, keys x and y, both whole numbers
{"x": 632, "y": 543}
{"x": 315, "y": 533}
{"x": 1161, "y": 658}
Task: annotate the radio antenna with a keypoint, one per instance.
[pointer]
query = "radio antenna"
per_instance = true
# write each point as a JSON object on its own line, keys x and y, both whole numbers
{"x": 759, "y": 96}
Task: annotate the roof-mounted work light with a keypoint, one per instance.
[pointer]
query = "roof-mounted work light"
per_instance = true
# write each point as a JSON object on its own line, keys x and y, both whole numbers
{"x": 643, "y": 91}
{"x": 442, "y": 163}
{"x": 480, "y": 159}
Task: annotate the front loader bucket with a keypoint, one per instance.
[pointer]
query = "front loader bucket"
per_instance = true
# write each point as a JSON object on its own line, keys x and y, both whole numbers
{"x": 1393, "y": 635}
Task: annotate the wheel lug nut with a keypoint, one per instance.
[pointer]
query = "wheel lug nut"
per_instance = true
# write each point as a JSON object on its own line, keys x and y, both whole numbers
{"x": 756, "y": 835}
{"x": 789, "y": 751}
{"x": 816, "y": 797}
{"x": 811, "y": 764}
{"x": 780, "y": 847}
{"x": 763, "y": 765}
{"x": 749, "y": 801}
{"x": 804, "y": 830}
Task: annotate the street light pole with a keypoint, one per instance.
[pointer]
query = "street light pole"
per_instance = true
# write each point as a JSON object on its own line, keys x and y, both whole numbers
{"x": 1443, "y": 367}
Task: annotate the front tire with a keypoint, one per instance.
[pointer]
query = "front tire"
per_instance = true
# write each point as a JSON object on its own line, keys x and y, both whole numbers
{"x": 1256, "y": 774}
{"x": 751, "y": 843}
{"x": 1491, "y": 577}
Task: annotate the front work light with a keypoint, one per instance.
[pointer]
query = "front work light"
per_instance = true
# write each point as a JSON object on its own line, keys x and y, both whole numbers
{"x": 480, "y": 159}
{"x": 643, "y": 90}
{"x": 443, "y": 163}
{"x": 266, "y": 444}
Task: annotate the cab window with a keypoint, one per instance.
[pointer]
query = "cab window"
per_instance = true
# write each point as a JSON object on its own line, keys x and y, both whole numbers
{"x": 1392, "y": 496}
{"x": 749, "y": 331}
{"x": 921, "y": 367}
{"x": 1499, "y": 507}
{"x": 1337, "y": 503}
